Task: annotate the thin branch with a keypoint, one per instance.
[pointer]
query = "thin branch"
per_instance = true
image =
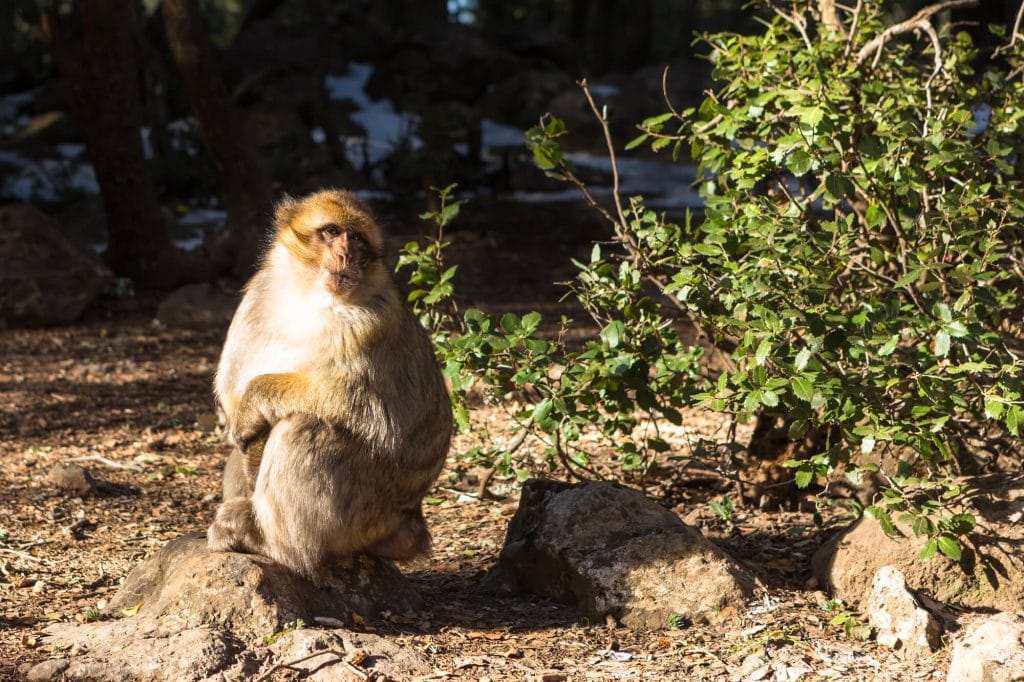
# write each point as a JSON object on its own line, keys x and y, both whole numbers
{"x": 623, "y": 225}
{"x": 797, "y": 21}
{"x": 361, "y": 674}
{"x": 829, "y": 17}
{"x": 1015, "y": 34}
{"x": 23, "y": 555}
{"x": 853, "y": 28}
{"x": 917, "y": 22}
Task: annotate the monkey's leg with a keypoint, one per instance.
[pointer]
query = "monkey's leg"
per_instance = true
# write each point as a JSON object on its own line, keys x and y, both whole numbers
{"x": 234, "y": 528}
{"x": 293, "y": 500}
{"x": 235, "y": 483}
{"x": 410, "y": 540}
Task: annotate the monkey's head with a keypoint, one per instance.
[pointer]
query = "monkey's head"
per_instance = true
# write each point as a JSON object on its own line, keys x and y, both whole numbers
{"x": 334, "y": 236}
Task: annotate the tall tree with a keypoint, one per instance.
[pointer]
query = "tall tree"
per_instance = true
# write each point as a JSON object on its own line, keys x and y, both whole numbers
{"x": 246, "y": 186}
{"x": 101, "y": 73}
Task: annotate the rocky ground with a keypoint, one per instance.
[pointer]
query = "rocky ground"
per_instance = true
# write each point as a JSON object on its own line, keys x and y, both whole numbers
{"x": 130, "y": 402}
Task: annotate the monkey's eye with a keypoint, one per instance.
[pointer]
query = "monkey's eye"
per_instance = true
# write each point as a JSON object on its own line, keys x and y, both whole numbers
{"x": 329, "y": 231}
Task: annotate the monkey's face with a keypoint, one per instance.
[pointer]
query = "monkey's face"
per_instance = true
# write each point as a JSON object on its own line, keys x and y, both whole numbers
{"x": 345, "y": 254}
{"x": 334, "y": 237}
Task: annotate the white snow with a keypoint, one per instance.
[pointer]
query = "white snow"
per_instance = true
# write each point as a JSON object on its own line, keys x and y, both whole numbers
{"x": 603, "y": 89}
{"x": 663, "y": 184}
{"x": 386, "y": 129}
{"x": 495, "y": 135}
{"x": 203, "y": 216}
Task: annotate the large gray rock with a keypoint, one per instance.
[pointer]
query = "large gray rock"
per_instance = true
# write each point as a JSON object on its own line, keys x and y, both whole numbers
{"x": 900, "y": 620}
{"x": 990, "y": 650}
{"x": 192, "y": 614}
{"x": 46, "y": 279}
{"x": 196, "y": 306}
{"x": 990, "y": 573}
{"x": 611, "y": 551}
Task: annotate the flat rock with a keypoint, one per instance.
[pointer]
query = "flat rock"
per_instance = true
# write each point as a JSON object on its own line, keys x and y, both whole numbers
{"x": 196, "y": 306}
{"x": 186, "y": 613}
{"x": 610, "y": 550}
{"x": 990, "y": 573}
{"x": 990, "y": 650}
{"x": 900, "y": 620}
{"x": 46, "y": 279}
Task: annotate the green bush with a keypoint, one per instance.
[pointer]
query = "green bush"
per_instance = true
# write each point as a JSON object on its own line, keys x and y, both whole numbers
{"x": 860, "y": 260}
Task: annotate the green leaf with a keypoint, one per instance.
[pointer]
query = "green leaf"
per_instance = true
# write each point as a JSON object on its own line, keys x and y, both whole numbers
{"x": 941, "y": 344}
{"x": 799, "y": 162}
{"x": 803, "y": 389}
{"x": 612, "y": 333}
{"x": 769, "y": 399}
{"x": 929, "y": 549}
{"x": 883, "y": 518}
{"x": 800, "y": 362}
{"x": 763, "y": 349}
{"x": 993, "y": 408}
{"x": 923, "y": 526}
{"x": 839, "y": 187}
{"x": 949, "y": 546}
{"x": 803, "y": 477}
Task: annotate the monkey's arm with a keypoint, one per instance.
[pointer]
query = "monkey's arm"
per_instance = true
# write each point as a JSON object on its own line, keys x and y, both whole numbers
{"x": 267, "y": 399}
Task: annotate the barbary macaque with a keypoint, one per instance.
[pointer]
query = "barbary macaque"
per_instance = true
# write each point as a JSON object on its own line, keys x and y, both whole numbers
{"x": 334, "y": 400}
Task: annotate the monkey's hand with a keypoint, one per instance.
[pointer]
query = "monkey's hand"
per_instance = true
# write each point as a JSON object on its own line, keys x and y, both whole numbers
{"x": 267, "y": 400}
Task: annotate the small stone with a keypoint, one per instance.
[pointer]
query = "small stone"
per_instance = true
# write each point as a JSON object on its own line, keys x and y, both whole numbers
{"x": 902, "y": 623}
{"x": 70, "y": 477}
{"x": 50, "y": 670}
{"x": 990, "y": 650}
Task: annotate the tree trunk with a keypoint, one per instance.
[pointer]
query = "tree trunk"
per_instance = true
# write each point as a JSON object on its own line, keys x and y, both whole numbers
{"x": 101, "y": 74}
{"x": 248, "y": 196}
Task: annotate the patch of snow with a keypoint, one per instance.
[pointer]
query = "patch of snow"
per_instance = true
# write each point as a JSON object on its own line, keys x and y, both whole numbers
{"x": 70, "y": 150}
{"x": 147, "y": 142}
{"x": 82, "y": 177}
{"x": 351, "y": 85}
{"x": 203, "y": 216}
{"x": 604, "y": 89}
{"x": 189, "y": 243}
{"x": 665, "y": 185}
{"x": 370, "y": 194}
{"x": 495, "y": 135}
{"x": 386, "y": 129}
{"x": 11, "y": 104}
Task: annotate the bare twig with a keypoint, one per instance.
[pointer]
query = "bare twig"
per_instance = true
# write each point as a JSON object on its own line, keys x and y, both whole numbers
{"x": 341, "y": 659}
{"x": 603, "y": 120}
{"x": 106, "y": 462}
{"x": 23, "y": 555}
{"x": 482, "y": 492}
{"x": 1015, "y": 34}
{"x": 853, "y": 28}
{"x": 797, "y": 21}
{"x": 920, "y": 21}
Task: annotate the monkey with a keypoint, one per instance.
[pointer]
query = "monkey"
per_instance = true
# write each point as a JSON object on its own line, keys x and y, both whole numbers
{"x": 334, "y": 400}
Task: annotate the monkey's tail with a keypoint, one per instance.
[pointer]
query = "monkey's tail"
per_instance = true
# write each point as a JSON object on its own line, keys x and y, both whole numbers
{"x": 410, "y": 540}
{"x": 234, "y": 529}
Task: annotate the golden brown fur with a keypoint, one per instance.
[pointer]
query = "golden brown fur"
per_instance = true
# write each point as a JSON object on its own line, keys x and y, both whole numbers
{"x": 333, "y": 398}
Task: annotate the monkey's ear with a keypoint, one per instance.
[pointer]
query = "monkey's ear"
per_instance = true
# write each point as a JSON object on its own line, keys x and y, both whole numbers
{"x": 286, "y": 211}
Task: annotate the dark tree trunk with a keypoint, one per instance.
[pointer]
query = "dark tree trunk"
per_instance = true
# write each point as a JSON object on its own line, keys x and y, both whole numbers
{"x": 101, "y": 73}
{"x": 248, "y": 196}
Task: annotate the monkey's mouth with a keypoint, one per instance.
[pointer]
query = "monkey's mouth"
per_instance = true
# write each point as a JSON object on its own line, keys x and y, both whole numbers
{"x": 341, "y": 281}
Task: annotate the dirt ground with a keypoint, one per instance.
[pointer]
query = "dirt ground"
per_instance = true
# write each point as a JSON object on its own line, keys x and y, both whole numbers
{"x": 132, "y": 403}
